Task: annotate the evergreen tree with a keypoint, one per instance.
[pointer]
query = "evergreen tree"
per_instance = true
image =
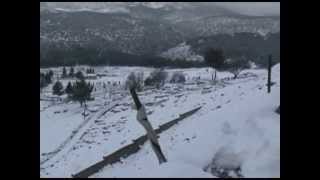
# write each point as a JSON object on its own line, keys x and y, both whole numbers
{"x": 50, "y": 73}
{"x": 57, "y": 88}
{"x": 43, "y": 82}
{"x": 48, "y": 78}
{"x": 81, "y": 91}
{"x": 215, "y": 59}
{"x": 64, "y": 73}
{"x": 68, "y": 89}
{"x": 71, "y": 73}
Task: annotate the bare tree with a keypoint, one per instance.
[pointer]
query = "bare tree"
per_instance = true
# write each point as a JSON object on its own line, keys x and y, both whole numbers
{"x": 236, "y": 65}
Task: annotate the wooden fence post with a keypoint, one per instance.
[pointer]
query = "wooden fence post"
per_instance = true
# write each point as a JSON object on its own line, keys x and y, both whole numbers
{"x": 269, "y": 73}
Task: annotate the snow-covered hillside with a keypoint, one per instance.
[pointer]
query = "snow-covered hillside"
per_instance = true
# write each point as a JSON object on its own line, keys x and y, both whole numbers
{"x": 236, "y": 127}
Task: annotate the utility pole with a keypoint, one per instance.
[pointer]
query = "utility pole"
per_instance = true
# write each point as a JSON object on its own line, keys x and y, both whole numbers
{"x": 269, "y": 73}
{"x": 143, "y": 120}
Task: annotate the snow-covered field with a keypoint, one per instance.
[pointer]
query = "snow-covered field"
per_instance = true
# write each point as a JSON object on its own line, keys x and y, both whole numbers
{"x": 236, "y": 126}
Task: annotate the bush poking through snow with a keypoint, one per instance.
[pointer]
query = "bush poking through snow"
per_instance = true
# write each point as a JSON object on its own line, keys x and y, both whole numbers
{"x": 157, "y": 78}
{"x": 79, "y": 75}
{"x": 178, "y": 77}
{"x": 236, "y": 65}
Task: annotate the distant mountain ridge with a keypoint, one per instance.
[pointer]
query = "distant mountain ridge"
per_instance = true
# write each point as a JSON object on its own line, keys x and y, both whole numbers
{"x": 143, "y": 28}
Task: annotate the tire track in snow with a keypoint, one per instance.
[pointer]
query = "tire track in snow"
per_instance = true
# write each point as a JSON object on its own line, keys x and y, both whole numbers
{"x": 75, "y": 132}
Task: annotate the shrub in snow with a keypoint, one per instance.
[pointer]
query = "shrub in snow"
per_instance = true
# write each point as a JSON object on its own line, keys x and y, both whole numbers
{"x": 79, "y": 75}
{"x": 178, "y": 77}
{"x": 135, "y": 80}
{"x": 157, "y": 78}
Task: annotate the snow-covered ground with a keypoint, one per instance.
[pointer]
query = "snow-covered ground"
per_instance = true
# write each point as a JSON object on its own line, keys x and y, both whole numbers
{"x": 236, "y": 126}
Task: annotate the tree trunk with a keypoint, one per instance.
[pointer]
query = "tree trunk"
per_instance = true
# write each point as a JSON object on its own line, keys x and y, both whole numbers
{"x": 215, "y": 75}
{"x": 84, "y": 111}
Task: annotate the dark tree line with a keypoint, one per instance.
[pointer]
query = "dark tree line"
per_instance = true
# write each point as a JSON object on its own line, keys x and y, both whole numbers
{"x": 248, "y": 45}
{"x": 90, "y": 71}
{"x": 55, "y": 57}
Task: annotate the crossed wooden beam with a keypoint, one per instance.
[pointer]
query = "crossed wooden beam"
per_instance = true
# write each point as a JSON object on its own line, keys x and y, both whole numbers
{"x": 143, "y": 120}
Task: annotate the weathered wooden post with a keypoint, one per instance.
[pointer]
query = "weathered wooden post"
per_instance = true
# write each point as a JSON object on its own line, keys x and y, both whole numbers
{"x": 269, "y": 73}
{"x": 143, "y": 120}
{"x": 278, "y": 110}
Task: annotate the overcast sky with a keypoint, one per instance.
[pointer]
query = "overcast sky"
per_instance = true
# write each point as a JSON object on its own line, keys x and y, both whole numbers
{"x": 249, "y": 8}
{"x": 253, "y": 8}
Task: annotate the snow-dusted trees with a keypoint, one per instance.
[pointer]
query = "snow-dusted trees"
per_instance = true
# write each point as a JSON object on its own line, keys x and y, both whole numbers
{"x": 57, "y": 88}
{"x": 135, "y": 80}
{"x": 157, "y": 78}
{"x": 215, "y": 59}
